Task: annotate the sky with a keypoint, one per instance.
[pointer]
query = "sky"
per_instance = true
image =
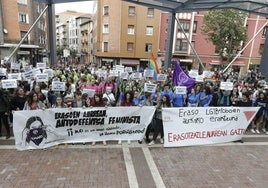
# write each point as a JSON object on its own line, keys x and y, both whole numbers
{"x": 82, "y": 6}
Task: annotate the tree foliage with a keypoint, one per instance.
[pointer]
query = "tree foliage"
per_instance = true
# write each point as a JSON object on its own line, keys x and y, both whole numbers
{"x": 226, "y": 30}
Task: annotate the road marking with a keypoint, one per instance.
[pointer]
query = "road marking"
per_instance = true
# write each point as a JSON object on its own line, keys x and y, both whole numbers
{"x": 154, "y": 171}
{"x": 132, "y": 178}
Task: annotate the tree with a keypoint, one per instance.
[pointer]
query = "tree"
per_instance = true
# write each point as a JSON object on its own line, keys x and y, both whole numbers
{"x": 226, "y": 30}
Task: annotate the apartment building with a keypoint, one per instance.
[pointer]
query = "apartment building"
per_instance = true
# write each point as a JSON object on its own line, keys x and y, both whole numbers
{"x": 126, "y": 33}
{"x": 191, "y": 23}
{"x": 16, "y": 19}
{"x": 86, "y": 29}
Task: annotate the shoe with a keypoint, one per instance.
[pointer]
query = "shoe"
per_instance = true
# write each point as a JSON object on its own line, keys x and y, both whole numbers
{"x": 128, "y": 142}
{"x": 84, "y": 143}
{"x": 267, "y": 132}
{"x": 264, "y": 130}
{"x": 104, "y": 143}
{"x": 252, "y": 130}
{"x": 151, "y": 143}
{"x": 257, "y": 131}
{"x": 140, "y": 141}
{"x": 93, "y": 143}
{"x": 147, "y": 140}
{"x": 119, "y": 142}
{"x": 161, "y": 140}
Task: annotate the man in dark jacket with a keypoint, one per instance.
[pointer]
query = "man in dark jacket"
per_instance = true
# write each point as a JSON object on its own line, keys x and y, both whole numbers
{"x": 4, "y": 111}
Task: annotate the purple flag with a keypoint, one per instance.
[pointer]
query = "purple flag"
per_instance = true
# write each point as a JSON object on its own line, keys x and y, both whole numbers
{"x": 180, "y": 78}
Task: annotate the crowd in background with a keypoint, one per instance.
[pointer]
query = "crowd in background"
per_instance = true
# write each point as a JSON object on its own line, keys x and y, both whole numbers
{"x": 248, "y": 90}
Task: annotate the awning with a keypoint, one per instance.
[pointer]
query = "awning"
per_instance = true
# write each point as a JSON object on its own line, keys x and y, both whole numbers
{"x": 239, "y": 63}
{"x": 215, "y": 62}
{"x": 129, "y": 62}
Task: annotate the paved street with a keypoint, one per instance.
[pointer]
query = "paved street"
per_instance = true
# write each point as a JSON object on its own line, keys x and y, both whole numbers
{"x": 228, "y": 165}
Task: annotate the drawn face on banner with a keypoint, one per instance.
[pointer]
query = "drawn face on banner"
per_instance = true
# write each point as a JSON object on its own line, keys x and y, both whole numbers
{"x": 35, "y": 130}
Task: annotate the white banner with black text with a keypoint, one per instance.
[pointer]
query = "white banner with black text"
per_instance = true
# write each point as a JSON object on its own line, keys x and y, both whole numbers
{"x": 45, "y": 128}
{"x": 198, "y": 126}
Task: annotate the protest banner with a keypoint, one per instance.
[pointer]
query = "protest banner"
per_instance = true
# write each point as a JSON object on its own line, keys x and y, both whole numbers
{"x": 7, "y": 84}
{"x": 148, "y": 73}
{"x": 15, "y": 66}
{"x": 14, "y": 76}
{"x": 226, "y": 86}
{"x": 41, "y": 77}
{"x": 181, "y": 90}
{"x": 41, "y": 66}
{"x": 136, "y": 76}
{"x": 120, "y": 68}
{"x": 90, "y": 92}
{"x": 3, "y": 71}
{"x": 45, "y": 128}
{"x": 113, "y": 73}
{"x": 161, "y": 77}
{"x": 150, "y": 88}
{"x": 198, "y": 126}
{"x": 49, "y": 72}
{"x": 58, "y": 86}
{"x": 124, "y": 75}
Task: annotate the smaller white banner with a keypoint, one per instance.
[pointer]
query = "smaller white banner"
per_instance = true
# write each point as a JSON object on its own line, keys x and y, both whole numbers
{"x": 193, "y": 73}
{"x": 15, "y": 66}
{"x": 49, "y": 72}
{"x": 161, "y": 77}
{"x": 226, "y": 86}
{"x": 41, "y": 77}
{"x": 113, "y": 73}
{"x": 150, "y": 88}
{"x": 90, "y": 92}
{"x": 14, "y": 76}
{"x": 58, "y": 86}
{"x": 124, "y": 75}
{"x": 7, "y": 84}
{"x": 181, "y": 90}
{"x": 3, "y": 71}
{"x": 120, "y": 68}
{"x": 148, "y": 73}
{"x": 128, "y": 69}
{"x": 41, "y": 66}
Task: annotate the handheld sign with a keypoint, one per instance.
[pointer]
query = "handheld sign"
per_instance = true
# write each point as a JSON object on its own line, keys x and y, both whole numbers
{"x": 58, "y": 86}
{"x": 90, "y": 92}
{"x": 120, "y": 68}
{"x": 3, "y": 71}
{"x": 14, "y": 76}
{"x": 128, "y": 69}
{"x": 148, "y": 73}
{"x": 15, "y": 66}
{"x": 41, "y": 66}
{"x": 124, "y": 75}
{"x": 41, "y": 77}
{"x": 227, "y": 86}
{"x": 136, "y": 76}
{"x": 193, "y": 73}
{"x": 6, "y": 84}
{"x": 181, "y": 90}
{"x": 113, "y": 73}
{"x": 161, "y": 77}
{"x": 150, "y": 88}
{"x": 49, "y": 72}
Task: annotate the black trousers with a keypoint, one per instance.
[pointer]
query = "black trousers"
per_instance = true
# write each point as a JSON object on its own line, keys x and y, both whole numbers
{"x": 158, "y": 128}
{"x": 4, "y": 120}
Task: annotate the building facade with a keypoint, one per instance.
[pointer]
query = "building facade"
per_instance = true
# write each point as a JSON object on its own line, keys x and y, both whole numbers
{"x": 126, "y": 34}
{"x": 16, "y": 19}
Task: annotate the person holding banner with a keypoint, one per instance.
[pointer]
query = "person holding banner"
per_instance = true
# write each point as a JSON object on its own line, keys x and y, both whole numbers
{"x": 205, "y": 97}
{"x": 192, "y": 98}
{"x": 163, "y": 103}
{"x": 32, "y": 102}
{"x": 4, "y": 112}
{"x": 59, "y": 103}
{"x": 98, "y": 102}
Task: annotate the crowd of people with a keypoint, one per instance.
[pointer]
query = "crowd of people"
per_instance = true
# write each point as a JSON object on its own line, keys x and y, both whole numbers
{"x": 248, "y": 90}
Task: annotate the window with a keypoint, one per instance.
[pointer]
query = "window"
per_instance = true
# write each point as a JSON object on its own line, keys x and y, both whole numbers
{"x": 131, "y": 11}
{"x": 23, "y": 2}
{"x": 106, "y": 10}
{"x": 264, "y": 31}
{"x": 130, "y": 30}
{"x": 149, "y": 30}
{"x": 105, "y": 28}
{"x": 148, "y": 47}
{"x": 27, "y": 39}
{"x": 105, "y": 46}
{"x": 130, "y": 46}
{"x": 185, "y": 25}
{"x": 150, "y": 12}
{"x": 23, "y": 18}
{"x": 181, "y": 45}
{"x": 195, "y": 27}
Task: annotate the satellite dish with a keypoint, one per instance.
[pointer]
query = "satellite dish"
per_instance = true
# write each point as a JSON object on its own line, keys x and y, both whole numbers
{"x": 5, "y": 31}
